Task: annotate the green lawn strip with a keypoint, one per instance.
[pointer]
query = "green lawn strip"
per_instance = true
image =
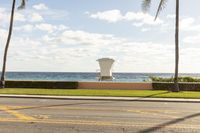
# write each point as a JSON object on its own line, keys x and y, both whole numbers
{"x": 114, "y": 93}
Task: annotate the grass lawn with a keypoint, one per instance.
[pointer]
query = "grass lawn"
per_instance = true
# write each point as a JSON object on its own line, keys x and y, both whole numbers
{"x": 115, "y": 93}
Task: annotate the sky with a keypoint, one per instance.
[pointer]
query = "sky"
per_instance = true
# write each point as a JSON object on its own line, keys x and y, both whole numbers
{"x": 70, "y": 35}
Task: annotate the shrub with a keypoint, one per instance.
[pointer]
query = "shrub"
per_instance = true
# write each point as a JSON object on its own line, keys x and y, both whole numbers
{"x": 185, "y": 83}
{"x": 183, "y": 86}
{"x": 180, "y": 79}
{"x": 42, "y": 84}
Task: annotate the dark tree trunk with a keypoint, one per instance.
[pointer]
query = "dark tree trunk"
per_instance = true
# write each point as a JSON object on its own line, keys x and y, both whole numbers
{"x": 2, "y": 82}
{"x": 176, "y": 85}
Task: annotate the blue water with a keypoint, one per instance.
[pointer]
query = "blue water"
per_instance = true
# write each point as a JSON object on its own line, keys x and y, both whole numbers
{"x": 77, "y": 76}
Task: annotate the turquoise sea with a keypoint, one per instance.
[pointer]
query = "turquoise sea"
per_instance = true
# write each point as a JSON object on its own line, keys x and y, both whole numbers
{"x": 83, "y": 76}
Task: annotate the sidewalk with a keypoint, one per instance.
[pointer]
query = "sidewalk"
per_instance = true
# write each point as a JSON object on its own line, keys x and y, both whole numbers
{"x": 145, "y": 99}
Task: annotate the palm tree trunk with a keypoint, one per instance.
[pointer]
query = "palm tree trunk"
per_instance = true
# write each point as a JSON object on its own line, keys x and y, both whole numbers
{"x": 176, "y": 88}
{"x": 2, "y": 82}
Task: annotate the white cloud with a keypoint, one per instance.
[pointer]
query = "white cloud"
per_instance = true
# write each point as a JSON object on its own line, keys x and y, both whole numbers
{"x": 40, "y": 6}
{"x": 171, "y": 16}
{"x": 87, "y": 38}
{"x": 60, "y": 44}
{"x": 113, "y": 16}
{"x": 110, "y": 45}
{"x": 50, "y": 28}
{"x": 30, "y": 15}
{"x": 26, "y": 28}
{"x": 2, "y": 9}
{"x": 187, "y": 24}
{"x": 19, "y": 17}
{"x": 62, "y": 27}
{"x": 3, "y": 36}
{"x": 190, "y": 25}
{"x": 195, "y": 39}
{"x": 137, "y": 24}
{"x": 46, "y": 27}
{"x": 141, "y": 17}
{"x": 36, "y": 17}
{"x": 3, "y": 33}
{"x": 56, "y": 50}
{"x": 5, "y": 16}
{"x": 145, "y": 29}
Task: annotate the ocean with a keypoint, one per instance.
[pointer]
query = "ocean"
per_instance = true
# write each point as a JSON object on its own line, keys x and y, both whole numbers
{"x": 84, "y": 76}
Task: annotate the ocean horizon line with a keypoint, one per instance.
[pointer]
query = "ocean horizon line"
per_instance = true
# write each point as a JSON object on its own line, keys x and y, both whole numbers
{"x": 96, "y": 72}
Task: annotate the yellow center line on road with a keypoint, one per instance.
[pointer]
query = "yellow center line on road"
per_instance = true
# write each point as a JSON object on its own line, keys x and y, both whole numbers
{"x": 96, "y": 109}
{"x": 150, "y": 112}
{"x": 153, "y": 113}
{"x": 161, "y": 113}
{"x": 16, "y": 114}
{"x": 102, "y": 123}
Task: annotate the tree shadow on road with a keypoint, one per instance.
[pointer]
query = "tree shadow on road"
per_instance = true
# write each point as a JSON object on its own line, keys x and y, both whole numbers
{"x": 149, "y": 96}
{"x": 172, "y": 122}
{"x": 84, "y": 103}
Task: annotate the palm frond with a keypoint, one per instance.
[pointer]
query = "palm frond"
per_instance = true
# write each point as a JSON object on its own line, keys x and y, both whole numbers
{"x": 22, "y": 5}
{"x": 146, "y": 5}
{"x": 160, "y": 7}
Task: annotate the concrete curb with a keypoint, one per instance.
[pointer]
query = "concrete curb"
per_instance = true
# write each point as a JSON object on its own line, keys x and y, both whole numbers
{"x": 102, "y": 98}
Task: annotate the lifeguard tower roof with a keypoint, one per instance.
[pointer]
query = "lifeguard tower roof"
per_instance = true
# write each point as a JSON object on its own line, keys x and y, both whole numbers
{"x": 106, "y": 59}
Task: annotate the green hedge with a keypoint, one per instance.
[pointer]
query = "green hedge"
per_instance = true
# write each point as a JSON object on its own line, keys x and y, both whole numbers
{"x": 42, "y": 84}
{"x": 182, "y": 86}
{"x": 180, "y": 79}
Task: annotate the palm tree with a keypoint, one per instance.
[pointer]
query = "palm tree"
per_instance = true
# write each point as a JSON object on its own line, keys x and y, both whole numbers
{"x": 22, "y": 5}
{"x": 146, "y": 5}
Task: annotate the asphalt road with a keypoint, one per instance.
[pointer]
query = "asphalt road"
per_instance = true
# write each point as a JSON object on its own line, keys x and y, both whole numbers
{"x": 90, "y": 116}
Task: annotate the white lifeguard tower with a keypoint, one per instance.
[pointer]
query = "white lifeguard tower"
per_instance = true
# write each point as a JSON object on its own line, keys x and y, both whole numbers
{"x": 106, "y": 65}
